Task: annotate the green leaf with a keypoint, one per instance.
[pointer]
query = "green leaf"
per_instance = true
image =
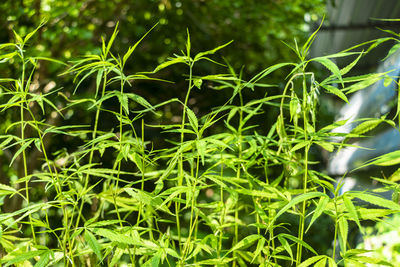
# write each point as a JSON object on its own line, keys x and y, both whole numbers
{"x": 140, "y": 100}
{"x": 333, "y": 90}
{"x": 392, "y": 50}
{"x": 343, "y": 231}
{"x": 154, "y": 261}
{"x": 321, "y": 263}
{"x": 115, "y": 236}
{"x": 351, "y": 209}
{"x": 198, "y": 83}
{"x": 21, "y": 149}
{"x": 322, "y": 203}
{"x": 123, "y": 100}
{"x": 294, "y": 107}
{"x": 18, "y": 37}
{"x": 5, "y": 58}
{"x": 295, "y": 201}
{"x": 298, "y": 241}
{"x": 117, "y": 256}
{"x": 170, "y": 62}
{"x": 326, "y": 145}
{"x": 188, "y": 44}
{"x": 23, "y": 257}
{"x": 93, "y": 244}
{"x": 331, "y": 262}
{"x": 349, "y": 67}
{"x": 387, "y": 81}
{"x": 310, "y": 39}
{"x": 371, "y": 260}
{"x": 395, "y": 176}
{"x": 132, "y": 48}
{"x": 38, "y": 144}
{"x": 311, "y": 260}
{"x": 330, "y": 66}
{"x": 7, "y": 190}
{"x": 245, "y": 242}
{"x": 201, "y": 146}
{"x": 192, "y": 119}
{"x": 44, "y": 259}
{"x": 214, "y": 262}
{"x": 373, "y": 214}
{"x": 210, "y": 52}
{"x": 260, "y": 246}
{"x": 6, "y": 141}
{"x": 102, "y": 223}
{"x": 25, "y": 211}
{"x": 366, "y": 126}
{"x": 286, "y": 246}
{"x": 389, "y": 159}
{"x": 99, "y": 76}
{"x": 110, "y": 42}
{"x": 375, "y": 200}
{"x": 29, "y": 35}
{"x": 299, "y": 145}
{"x": 369, "y": 80}
{"x": 267, "y": 71}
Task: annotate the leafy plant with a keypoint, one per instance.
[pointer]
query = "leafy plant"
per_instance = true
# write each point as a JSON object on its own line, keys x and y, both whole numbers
{"x": 111, "y": 197}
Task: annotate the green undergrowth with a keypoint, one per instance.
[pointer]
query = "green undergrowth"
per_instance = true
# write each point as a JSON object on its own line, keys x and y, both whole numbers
{"x": 245, "y": 195}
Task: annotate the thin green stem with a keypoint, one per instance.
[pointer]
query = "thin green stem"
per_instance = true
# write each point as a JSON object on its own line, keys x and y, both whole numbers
{"x": 180, "y": 162}
{"x": 94, "y": 133}
{"x": 120, "y": 151}
{"x": 305, "y": 177}
{"x": 57, "y": 186}
{"x": 193, "y": 205}
{"x": 336, "y": 232}
{"x": 238, "y": 173}
{"x": 23, "y": 91}
{"x": 222, "y": 217}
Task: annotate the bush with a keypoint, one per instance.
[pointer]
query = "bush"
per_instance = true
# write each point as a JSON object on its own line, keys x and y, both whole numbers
{"x": 110, "y": 196}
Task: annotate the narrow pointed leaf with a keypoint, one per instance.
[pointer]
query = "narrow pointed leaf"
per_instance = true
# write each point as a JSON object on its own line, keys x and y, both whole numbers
{"x": 351, "y": 209}
{"x": 322, "y": 203}
{"x": 21, "y": 149}
{"x": 93, "y": 244}
{"x": 311, "y": 260}
{"x": 245, "y": 242}
{"x": 333, "y": 90}
{"x": 296, "y": 200}
{"x": 375, "y": 200}
{"x": 210, "y": 52}
{"x": 192, "y": 120}
{"x": 330, "y": 66}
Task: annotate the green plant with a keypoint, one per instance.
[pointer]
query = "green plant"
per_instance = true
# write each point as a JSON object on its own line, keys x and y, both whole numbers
{"x": 382, "y": 240}
{"x": 111, "y": 197}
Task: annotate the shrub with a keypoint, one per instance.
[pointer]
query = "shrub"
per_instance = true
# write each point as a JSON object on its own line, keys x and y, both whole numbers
{"x": 111, "y": 197}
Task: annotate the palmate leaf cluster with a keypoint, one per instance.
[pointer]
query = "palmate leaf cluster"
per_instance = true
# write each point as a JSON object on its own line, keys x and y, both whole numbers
{"x": 112, "y": 197}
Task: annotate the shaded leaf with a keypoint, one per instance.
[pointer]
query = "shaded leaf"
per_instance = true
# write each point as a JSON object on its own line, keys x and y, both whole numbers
{"x": 322, "y": 203}
{"x": 93, "y": 244}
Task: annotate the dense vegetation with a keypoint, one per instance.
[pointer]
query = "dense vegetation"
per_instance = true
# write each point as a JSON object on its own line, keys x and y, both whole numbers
{"x": 101, "y": 173}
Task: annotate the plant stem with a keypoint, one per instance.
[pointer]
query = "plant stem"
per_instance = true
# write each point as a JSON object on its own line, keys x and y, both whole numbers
{"x": 24, "y": 160}
{"x": 305, "y": 177}
{"x": 94, "y": 133}
{"x": 180, "y": 162}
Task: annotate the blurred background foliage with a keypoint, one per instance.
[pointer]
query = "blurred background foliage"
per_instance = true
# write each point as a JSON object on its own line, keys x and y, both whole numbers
{"x": 75, "y": 27}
